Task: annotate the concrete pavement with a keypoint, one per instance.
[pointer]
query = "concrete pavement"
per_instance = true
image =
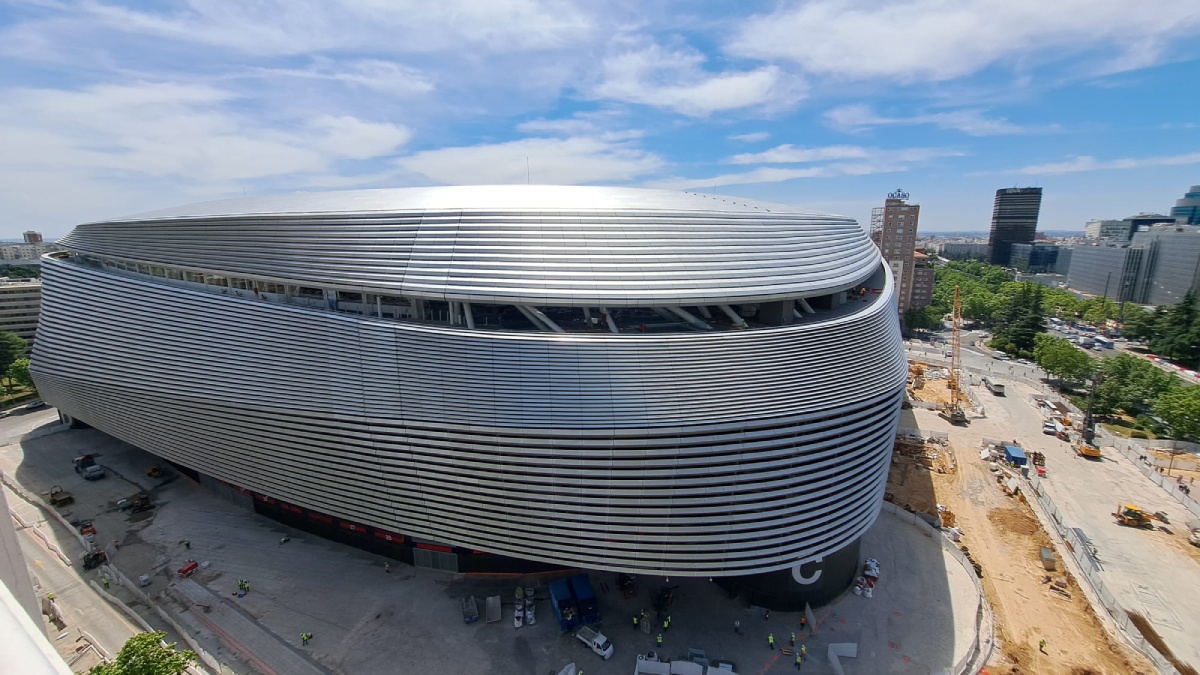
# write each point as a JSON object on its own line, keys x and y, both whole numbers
{"x": 365, "y": 620}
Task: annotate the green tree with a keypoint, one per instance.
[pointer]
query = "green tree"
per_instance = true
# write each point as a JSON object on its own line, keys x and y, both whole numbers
{"x": 1021, "y": 320}
{"x": 923, "y": 318}
{"x": 1177, "y": 334}
{"x": 1180, "y": 409}
{"x": 145, "y": 654}
{"x": 12, "y": 347}
{"x": 22, "y": 273}
{"x": 1130, "y": 384}
{"x": 1058, "y": 357}
{"x": 19, "y": 372}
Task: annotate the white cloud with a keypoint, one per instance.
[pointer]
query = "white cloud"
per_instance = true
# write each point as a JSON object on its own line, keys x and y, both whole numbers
{"x": 352, "y": 138}
{"x": 556, "y": 161}
{"x": 676, "y": 80}
{"x": 914, "y": 40}
{"x": 388, "y": 26}
{"x": 754, "y": 137}
{"x": 153, "y": 140}
{"x": 388, "y": 77}
{"x": 760, "y": 175}
{"x": 834, "y": 160}
{"x": 1086, "y": 163}
{"x": 856, "y": 118}
{"x": 790, "y": 154}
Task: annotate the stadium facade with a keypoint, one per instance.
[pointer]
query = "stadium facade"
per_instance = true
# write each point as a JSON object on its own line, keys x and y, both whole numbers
{"x": 505, "y": 378}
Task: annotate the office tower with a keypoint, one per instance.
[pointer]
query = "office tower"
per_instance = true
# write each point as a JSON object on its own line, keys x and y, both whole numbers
{"x": 1188, "y": 208}
{"x": 32, "y": 237}
{"x": 1014, "y": 221}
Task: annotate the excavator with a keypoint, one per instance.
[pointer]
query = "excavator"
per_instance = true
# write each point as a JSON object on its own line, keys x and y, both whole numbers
{"x": 1132, "y": 516}
{"x": 953, "y": 412}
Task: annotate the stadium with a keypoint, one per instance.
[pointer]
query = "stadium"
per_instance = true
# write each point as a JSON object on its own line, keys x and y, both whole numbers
{"x": 502, "y": 378}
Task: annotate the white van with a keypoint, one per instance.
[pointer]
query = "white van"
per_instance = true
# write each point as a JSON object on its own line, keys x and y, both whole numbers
{"x": 1001, "y": 356}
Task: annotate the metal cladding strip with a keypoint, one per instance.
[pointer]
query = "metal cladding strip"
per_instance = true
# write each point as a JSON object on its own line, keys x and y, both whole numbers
{"x": 591, "y": 246}
{"x": 694, "y": 453}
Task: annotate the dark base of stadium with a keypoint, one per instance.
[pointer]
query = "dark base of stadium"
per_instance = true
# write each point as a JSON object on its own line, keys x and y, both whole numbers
{"x": 813, "y": 584}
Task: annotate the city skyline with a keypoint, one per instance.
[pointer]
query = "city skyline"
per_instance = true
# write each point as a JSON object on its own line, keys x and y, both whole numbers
{"x": 113, "y": 108}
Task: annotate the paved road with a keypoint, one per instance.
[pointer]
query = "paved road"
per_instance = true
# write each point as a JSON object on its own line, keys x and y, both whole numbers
{"x": 1150, "y": 571}
{"x": 81, "y": 607}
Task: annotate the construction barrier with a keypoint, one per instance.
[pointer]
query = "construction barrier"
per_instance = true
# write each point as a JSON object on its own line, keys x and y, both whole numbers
{"x": 1080, "y": 551}
{"x": 1132, "y": 451}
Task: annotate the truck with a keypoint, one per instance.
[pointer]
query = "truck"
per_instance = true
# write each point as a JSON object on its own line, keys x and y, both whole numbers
{"x": 87, "y": 467}
{"x": 564, "y": 604}
{"x": 585, "y": 599}
{"x": 596, "y": 641}
{"x": 996, "y": 388}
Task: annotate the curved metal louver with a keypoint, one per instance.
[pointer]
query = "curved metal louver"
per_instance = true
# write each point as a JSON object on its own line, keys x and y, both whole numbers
{"x": 718, "y": 453}
{"x": 551, "y": 245}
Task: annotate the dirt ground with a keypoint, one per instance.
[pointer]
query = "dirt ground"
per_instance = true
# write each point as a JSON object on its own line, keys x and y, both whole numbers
{"x": 932, "y": 389}
{"x": 1001, "y": 534}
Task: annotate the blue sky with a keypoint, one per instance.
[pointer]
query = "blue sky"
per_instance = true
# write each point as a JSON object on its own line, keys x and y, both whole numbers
{"x": 109, "y": 108}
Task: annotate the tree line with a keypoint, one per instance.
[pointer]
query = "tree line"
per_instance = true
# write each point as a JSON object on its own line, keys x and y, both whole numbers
{"x": 1017, "y": 313}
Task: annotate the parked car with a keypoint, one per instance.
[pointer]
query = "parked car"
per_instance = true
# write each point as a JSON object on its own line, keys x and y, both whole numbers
{"x": 1049, "y": 429}
{"x": 35, "y": 405}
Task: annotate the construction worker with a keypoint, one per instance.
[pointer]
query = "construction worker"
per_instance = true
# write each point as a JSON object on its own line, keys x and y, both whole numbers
{"x": 659, "y": 640}
{"x": 771, "y": 641}
{"x": 247, "y": 586}
{"x": 803, "y": 653}
{"x": 104, "y": 582}
{"x": 186, "y": 544}
{"x": 635, "y": 621}
{"x": 50, "y": 596}
{"x": 304, "y": 639}
{"x": 803, "y": 623}
{"x": 387, "y": 567}
{"x": 666, "y": 623}
{"x": 799, "y": 660}
{"x": 737, "y": 626}
{"x": 793, "y": 639}
{"x": 1042, "y": 646}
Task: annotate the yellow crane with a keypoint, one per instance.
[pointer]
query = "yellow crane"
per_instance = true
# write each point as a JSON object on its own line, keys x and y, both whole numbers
{"x": 953, "y": 412}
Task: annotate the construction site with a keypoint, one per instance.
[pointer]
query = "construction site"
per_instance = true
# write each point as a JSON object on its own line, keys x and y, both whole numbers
{"x": 943, "y": 471}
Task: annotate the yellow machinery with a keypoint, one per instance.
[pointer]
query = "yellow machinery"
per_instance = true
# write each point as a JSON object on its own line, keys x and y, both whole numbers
{"x": 953, "y": 411}
{"x": 1086, "y": 449}
{"x": 1132, "y": 516}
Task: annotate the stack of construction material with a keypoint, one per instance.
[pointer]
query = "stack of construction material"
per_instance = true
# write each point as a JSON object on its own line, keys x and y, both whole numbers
{"x": 865, "y": 584}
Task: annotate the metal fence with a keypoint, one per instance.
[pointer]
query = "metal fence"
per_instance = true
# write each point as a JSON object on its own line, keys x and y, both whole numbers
{"x": 1081, "y": 552}
{"x": 985, "y": 638}
{"x": 1132, "y": 451}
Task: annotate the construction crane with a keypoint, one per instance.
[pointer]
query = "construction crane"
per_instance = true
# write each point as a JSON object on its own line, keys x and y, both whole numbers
{"x": 953, "y": 412}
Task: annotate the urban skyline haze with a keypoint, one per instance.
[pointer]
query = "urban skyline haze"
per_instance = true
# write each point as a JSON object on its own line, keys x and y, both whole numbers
{"x": 114, "y": 107}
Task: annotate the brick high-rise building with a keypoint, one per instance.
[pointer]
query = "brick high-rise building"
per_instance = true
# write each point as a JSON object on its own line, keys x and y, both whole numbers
{"x": 1014, "y": 221}
{"x": 32, "y": 237}
{"x": 894, "y": 231}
